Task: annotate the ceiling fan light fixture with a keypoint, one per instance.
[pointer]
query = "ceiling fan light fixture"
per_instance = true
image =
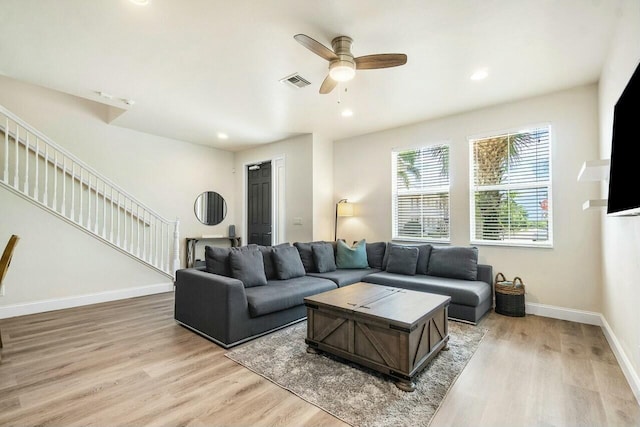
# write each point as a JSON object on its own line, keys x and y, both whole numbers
{"x": 342, "y": 71}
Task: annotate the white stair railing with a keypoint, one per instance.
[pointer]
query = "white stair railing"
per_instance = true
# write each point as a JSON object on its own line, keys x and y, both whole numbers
{"x": 46, "y": 174}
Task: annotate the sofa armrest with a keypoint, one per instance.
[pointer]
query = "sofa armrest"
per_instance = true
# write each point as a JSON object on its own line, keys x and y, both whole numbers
{"x": 485, "y": 273}
{"x": 208, "y": 302}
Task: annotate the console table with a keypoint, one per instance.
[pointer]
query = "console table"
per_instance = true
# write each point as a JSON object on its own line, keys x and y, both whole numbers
{"x": 191, "y": 242}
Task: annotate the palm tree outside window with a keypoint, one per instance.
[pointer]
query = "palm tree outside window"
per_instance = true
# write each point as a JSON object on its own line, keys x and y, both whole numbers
{"x": 511, "y": 188}
{"x": 421, "y": 193}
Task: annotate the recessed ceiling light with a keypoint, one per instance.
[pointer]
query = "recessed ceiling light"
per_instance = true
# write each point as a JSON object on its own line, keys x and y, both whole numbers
{"x": 222, "y": 135}
{"x": 480, "y": 74}
{"x": 140, "y": 2}
{"x": 347, "y": 113}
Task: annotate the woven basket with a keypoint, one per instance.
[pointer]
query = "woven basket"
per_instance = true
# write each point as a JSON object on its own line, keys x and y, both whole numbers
{"x": 509, "y": 296}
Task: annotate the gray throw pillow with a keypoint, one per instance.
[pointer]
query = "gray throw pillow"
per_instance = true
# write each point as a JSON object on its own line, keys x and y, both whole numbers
{"x": 403, "y": 260}
{"x": 375, "y": 254}
{"x": 455, "y": 262}
{"x": 267, "y": 259}
{"x": 217, "y": 258}
{"x": 387, "y": 251}
{"x": 288, "y": 263}
{"x": 306, "y": 256}
{"x": 248, "y": 267}
{"x": 323, "y": 257}
{"x": 424, "y": 251}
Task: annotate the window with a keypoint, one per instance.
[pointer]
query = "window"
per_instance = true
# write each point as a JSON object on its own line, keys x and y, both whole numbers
{"x": 511, "y": 188}
{"x": 420, "y": 192}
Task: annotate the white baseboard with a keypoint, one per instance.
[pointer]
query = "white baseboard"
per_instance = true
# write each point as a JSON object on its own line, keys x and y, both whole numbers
{"x": 555, "y": 312}
{"x": 592, "y": 318}
{"x": 625, "y": 364}
{"x": 80, "y": 300}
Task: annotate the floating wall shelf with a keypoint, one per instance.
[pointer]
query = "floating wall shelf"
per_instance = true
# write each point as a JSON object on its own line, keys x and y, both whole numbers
{"x": 594, "y": 204}
{"x": 594, "y": 170}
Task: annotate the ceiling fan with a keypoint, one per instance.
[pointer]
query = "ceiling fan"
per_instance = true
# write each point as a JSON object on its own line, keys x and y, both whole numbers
{"x": 342, "y": 64}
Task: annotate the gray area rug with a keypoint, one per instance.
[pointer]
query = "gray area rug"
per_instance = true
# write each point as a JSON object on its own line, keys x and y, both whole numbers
{"x": 358, "y": 396}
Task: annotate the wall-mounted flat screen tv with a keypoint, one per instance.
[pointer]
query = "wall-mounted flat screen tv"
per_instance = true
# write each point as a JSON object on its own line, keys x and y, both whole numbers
{"x": 624, "y": 173}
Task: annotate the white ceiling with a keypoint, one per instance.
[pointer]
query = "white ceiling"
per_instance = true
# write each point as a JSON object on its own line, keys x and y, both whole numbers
{"x": 198, "y": 67}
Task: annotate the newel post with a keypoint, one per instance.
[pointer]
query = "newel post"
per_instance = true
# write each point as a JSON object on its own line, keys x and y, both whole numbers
{"x": 176, "y": 246}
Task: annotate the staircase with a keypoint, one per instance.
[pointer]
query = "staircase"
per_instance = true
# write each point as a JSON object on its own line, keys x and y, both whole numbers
{"x": 40, "y": 171}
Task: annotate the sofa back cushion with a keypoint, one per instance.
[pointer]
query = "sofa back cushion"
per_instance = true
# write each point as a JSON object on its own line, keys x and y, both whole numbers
{"x": 306, "y": 256}
{"x": 267, "y": 259}
{"x": 455, "y": 262}
{"x": 403, "y": 260}
{"x": 323, "y": 257}
{"x": 424, "y": 252}
{"x": 217, "y": 259}
{"x": 248, "y": 267}
{"x": 287, "y": 262}
{"x": 375, "y": 254}
{"x": 352, "y": 257}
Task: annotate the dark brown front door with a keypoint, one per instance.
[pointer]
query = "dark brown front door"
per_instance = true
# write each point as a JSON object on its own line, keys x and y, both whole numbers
{"x": 259, "y": 204}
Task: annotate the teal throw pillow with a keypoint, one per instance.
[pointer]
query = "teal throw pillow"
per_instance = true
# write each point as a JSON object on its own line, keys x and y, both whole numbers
{"x": 352, "y": 257}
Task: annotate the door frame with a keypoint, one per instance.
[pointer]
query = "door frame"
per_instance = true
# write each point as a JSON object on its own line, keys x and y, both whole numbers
{"x": 278, "y": 217}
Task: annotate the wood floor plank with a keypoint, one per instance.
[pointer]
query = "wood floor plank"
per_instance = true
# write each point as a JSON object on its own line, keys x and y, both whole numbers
{"x": 128, "y": 363}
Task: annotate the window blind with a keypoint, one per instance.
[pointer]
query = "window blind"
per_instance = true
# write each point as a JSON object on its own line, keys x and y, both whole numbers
{"x": 511, "y": 185}
{"x": 421, "y": 193}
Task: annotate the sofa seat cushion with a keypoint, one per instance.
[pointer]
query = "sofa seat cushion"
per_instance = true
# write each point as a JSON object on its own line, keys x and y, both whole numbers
{"x": 463, "y": 292}
{"x": 344, "y": 277}
{"x": 282, "y": 294}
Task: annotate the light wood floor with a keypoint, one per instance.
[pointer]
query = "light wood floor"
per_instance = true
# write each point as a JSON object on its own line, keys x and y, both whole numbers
{"x": 129, "y": 363}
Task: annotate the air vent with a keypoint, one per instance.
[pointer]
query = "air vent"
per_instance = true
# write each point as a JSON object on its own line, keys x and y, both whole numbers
{"x": 295, "y": 80}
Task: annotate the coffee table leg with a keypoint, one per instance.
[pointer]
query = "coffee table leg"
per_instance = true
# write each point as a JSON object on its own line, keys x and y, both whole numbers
{"x": 446, "y": 345}
{"x": 312, "y": 350}
{"x": 407, "y": 386}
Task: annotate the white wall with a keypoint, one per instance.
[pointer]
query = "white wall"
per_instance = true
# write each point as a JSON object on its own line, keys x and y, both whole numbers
{"x": 298, "y": 155}
{"x": 620, "y": 235}
{"x": 165, "y": 174}
{"x": 568, "y": 275}
{"x": 323, "y": 200}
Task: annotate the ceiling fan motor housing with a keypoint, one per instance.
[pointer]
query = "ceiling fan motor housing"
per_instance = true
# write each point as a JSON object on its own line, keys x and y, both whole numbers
{"x": 343, "y": 68}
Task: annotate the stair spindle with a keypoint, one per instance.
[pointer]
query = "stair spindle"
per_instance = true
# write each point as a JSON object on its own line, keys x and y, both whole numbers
{"x": 16, "y": 184}
{"x": 64, "y": 185}
{"x": 81, "y": 221}
{"x": 95, "y": 213}
{"x": 104, "y": 210}
{"x": 137, "y": 230}
{"x": 46, "y": 175}
{"x": 26, "y": 166}
{"x": 111, "y": 213}
{"x": 6, "y": 151}
{"x": 73, "y": 190}
{"x": 37, "y": 156}
{"x": 55, "y": 181}
{"x": 144, "y": 234}
{"x": 118, "y": 220}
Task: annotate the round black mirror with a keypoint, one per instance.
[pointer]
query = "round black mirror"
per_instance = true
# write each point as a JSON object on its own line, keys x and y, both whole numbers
{"x": 210, "y": 208}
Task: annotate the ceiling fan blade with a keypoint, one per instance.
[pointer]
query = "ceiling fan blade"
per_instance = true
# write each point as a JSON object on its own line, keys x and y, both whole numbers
{"x": 327, "y": 85}
{"x": 315, "y": 47}
{"x": 382, "y": 60}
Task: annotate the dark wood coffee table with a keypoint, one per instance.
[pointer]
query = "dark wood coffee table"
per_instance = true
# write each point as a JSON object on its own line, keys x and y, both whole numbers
{"x": 391, "y": 330}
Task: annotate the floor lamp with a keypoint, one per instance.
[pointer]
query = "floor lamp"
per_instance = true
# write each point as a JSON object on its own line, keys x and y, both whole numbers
{"x": 343, "y": 208}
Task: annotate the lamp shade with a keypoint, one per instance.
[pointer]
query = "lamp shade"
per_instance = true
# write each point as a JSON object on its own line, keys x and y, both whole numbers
{"x": 345, "y": 209}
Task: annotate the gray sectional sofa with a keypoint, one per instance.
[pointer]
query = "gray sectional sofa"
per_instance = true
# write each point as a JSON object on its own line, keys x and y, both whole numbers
{"x": 242, "y": 293}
